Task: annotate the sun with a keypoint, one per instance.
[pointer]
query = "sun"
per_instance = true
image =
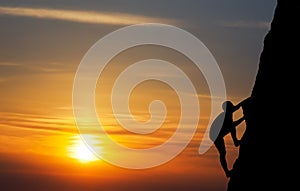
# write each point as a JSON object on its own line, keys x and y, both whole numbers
{"x": 83, "y": 154}
{"x": 78, "y": 150}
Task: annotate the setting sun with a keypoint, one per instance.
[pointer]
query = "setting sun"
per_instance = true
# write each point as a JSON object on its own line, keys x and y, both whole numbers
{"x": 81, "y": 152}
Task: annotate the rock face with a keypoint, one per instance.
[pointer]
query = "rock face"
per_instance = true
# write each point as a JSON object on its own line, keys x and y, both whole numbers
{"x": 267, "y": 155}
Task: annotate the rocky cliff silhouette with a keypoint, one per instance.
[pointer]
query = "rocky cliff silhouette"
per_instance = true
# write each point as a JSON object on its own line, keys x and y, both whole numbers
{"x": 267, "y": 156}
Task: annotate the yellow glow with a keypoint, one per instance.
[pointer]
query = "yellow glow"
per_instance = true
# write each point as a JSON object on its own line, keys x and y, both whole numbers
{"x": 81, "y": 152}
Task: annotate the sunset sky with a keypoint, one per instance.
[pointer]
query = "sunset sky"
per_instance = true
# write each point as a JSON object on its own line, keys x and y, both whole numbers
{"x": 42, "y": 44}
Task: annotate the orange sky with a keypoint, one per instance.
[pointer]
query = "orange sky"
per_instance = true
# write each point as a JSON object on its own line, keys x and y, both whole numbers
{"x": 49, "y": 150}
{"x": 40, "y": 141}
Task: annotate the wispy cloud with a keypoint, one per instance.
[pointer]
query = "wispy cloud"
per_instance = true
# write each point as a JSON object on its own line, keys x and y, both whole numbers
{"x": 44, "y": 67}
{"x": 37, "y": 122}
{"x": 245, "y": 24}
{"x": 9, "y": 64}
{"x": 110, "y": 18}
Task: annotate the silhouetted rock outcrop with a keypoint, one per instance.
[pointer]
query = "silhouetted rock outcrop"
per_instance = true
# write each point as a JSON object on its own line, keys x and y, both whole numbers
{"x": 267, "y": 156}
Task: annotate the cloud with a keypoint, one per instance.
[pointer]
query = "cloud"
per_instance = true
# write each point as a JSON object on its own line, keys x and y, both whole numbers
{"x": 36, "y": 122}
{"x": 42, "y": 67}
{"x": 246, "y": 24}
{"x": 9, "y": 64}
{"x": 109, "y": 18}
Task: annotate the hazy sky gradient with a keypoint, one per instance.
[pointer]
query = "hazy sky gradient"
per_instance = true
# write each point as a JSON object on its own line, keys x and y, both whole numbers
{"x": 232, "y": 30}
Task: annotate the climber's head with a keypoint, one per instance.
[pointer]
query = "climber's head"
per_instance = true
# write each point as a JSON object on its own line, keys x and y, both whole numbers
{"x": 227, "y": 106}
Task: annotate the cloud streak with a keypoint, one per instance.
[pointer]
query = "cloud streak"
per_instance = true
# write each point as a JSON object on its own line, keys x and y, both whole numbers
{"x": 9, "y": 64}
{"x": 109, "y": 18}
{"x": 246, "y": 24}
{"x": 36, "y": 122}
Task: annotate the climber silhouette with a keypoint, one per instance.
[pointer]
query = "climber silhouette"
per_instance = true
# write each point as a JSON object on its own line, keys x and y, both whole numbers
{"x": 222, "y": 126}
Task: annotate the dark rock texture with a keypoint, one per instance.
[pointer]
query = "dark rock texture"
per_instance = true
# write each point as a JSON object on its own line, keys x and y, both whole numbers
{"x": 267, "y": 157}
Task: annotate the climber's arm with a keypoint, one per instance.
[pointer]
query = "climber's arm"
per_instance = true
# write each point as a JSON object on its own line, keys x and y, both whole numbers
{"x": 237, "y": 122}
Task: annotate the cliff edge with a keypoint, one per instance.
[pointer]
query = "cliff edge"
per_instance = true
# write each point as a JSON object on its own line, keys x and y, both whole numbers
{"x": 267, "y": 155}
